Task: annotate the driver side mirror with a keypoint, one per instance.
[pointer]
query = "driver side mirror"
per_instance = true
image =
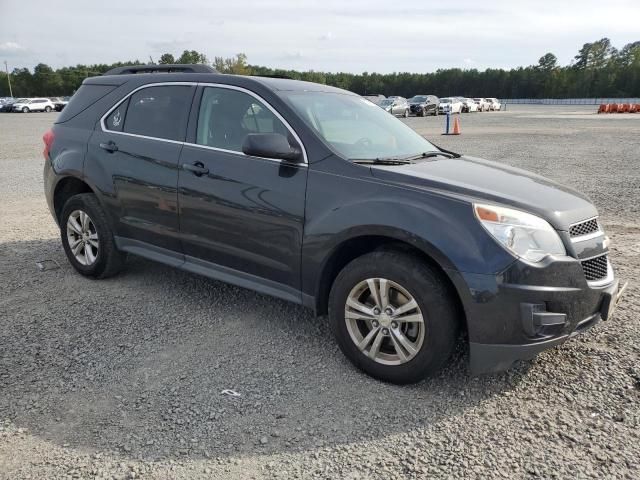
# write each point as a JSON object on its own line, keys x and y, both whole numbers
{"x": 271, "y": 145}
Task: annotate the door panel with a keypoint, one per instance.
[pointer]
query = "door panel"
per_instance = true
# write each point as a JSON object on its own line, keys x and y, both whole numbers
{"x": 246, "y": 213}
{"x": 139, "y": 186}
{"x": 133, "y": 159}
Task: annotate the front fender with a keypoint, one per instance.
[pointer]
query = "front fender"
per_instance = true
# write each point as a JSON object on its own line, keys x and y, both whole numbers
{"x": 443, "y": 227}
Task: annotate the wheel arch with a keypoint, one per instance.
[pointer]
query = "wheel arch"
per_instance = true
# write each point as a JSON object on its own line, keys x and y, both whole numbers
{"x": 358, "y": 245}
{"x": 66, "y": 188}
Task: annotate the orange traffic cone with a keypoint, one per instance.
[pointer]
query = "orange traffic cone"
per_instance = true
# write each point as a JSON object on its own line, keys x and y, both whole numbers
{"x": 456, "y": 126}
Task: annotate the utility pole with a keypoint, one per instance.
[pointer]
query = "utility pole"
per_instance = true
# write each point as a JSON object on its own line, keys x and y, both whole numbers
{"x": 6, "y": 67}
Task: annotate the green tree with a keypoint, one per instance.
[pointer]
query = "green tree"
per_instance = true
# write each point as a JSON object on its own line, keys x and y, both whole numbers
{"x": 191, "y": 56}
{"x": 166, "y": 59}
{"x": 548, "y": 62}
{"x": 235, "y": 65}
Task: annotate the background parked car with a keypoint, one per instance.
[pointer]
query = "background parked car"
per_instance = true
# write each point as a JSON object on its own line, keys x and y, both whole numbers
{"x": 396, "y": 106}
{"x": 450, "y": 105}
{"x": 8, "y": 105}
{"x": 33, "y": 105}
{"x": 423, "y": 105}
{"x": 483, "y": 104}
{"x": 468, "y": 105}
{"x": 375, "y": 98}
{"x": 495, "y": 103}
{"x": 60, "y": 103}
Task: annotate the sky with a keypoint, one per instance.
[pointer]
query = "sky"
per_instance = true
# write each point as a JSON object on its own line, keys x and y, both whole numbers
{"x": 323, "y": 35}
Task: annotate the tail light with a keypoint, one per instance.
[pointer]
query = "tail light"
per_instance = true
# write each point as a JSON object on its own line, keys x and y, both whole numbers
{"x": 48, "y": 141}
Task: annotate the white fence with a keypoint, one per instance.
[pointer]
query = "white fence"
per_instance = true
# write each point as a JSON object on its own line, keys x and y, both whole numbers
{"x": 570, "y": 101}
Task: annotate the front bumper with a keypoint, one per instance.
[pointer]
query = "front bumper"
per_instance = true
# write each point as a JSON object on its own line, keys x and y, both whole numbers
{"x": 525, "y": 310}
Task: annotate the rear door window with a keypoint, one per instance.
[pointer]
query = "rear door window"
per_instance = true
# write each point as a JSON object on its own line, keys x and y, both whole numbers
{"x": 159, "y": 112}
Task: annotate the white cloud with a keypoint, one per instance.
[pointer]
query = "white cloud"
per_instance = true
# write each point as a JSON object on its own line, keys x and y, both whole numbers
{"x": 11, "y": 47}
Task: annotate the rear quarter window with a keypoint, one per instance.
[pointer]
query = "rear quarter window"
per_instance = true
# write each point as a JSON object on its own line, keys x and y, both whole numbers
{"x": 84, "y": 97}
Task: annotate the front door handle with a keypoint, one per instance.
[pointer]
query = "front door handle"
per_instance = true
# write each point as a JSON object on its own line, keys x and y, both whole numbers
{"x": 197, "y": 168}
{"x": 110, "y": 146}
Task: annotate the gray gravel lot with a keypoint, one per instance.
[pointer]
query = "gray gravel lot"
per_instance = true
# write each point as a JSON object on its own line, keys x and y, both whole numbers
{"x": 121, "y": 378}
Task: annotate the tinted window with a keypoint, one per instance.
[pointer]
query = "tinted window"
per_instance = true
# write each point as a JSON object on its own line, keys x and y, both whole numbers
{"x": 227, "y": 116}
{"x": 159, "y": 112}
{"x": 86, "y": 96}
{"x": 115, "y": 121}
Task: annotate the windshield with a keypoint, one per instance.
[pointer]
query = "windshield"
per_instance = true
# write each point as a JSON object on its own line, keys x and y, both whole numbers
{"x": 417, "y": 99}
{"x": 22, "y": 100}
{"x": 445, "y": 100}
{"x": 355, "y": 127}
{"x": 386, "y": 102}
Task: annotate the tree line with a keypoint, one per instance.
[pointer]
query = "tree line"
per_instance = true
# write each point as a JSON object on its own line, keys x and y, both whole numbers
{"x": 597, "y": 70}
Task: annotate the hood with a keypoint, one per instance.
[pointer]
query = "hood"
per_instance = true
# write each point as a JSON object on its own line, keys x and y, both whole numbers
{"x": 481, "y": 180}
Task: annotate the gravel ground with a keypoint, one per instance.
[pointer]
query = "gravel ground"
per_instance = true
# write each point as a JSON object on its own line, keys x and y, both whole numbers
{"x": 122, "y": 378}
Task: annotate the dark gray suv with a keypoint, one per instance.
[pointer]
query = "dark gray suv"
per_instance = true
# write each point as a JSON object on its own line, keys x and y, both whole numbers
{"x": 316, "y": 196}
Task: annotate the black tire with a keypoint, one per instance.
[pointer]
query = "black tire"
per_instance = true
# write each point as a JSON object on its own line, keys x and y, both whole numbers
{"x": 47, "y": 109}
{"x": 435, "y": 113}
{"x": 25, "y": 110}
{"x": 109, "y": 261}
{"x": 430, "y": 292}
{"x": 406, "y": 113}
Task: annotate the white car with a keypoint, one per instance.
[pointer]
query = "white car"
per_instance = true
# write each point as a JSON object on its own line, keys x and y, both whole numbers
{"x": 468, "y": 105}
{"x": 34, "y": 105}
{"x": 483, "y": 104}
{"x": 495, "y": 103}
{"x": 450, "y": 105}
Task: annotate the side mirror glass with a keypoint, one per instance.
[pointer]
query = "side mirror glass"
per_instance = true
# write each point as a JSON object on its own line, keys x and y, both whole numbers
{"x": 271, "y": 145}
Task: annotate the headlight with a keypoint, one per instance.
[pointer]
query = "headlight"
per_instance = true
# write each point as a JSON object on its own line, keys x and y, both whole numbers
{"x": 523, "y": 234}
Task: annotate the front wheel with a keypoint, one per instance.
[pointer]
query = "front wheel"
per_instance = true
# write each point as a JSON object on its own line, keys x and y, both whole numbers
{"x": 47, "y": 109}
{"x": 406, "y": 113}
{"x": 25, "y": 110}
{"x": 393, "y": 316}
{"x": 88, "y": 239}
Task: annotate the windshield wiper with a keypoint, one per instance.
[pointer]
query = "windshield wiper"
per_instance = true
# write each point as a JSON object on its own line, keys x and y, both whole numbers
{"x": 382, "y": 161}
{"x": 435, "y": 153}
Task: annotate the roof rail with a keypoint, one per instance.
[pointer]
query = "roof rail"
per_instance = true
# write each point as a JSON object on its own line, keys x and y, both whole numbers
{"x": 286, "y": 77}
{"x": 177, "y": 68}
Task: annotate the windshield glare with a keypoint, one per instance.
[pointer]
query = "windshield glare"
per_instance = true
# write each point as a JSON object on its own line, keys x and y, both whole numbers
{"x": 445, "y": 100}
{"x": 356, "y": 128}
{"x": 418, "y": 99}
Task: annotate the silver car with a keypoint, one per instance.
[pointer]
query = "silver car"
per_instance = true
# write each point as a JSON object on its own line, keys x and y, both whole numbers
{"x": 396, "y": 106}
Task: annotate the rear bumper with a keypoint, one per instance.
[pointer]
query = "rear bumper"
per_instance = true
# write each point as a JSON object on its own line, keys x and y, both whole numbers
{"x": 524, "y": 311}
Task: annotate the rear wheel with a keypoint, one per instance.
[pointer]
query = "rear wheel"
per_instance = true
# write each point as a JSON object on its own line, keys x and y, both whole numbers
{"x": 87, "y": 238}
{"x": 393, "y": 317}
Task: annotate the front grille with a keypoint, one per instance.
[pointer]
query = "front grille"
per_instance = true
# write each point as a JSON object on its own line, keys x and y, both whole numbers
{"x": 595, "y": 268}
{"x": 584, "y": 228}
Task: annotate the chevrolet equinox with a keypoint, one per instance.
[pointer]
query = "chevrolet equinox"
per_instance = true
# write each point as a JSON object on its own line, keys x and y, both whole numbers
{"x": 315, "y": 195}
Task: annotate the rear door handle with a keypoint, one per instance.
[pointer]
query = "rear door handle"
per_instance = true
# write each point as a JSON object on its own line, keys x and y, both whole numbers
{"x": 197, "y": 168}
{"x": 110, "y": 146}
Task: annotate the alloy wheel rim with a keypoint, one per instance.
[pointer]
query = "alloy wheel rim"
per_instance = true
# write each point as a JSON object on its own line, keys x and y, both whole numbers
{"x": 82, "y": 237}
{"x": 384, "y": 321}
